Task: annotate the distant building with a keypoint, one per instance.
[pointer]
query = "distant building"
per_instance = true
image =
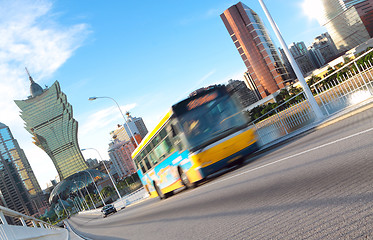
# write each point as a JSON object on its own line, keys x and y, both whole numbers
{"x": 120, "y": 133}
{"x": 10, "y": 150}
{"x": 92, "y": 163}
{"x": 302, "y": 57}
{"x": 256, "y": 49}
{"x": 349, "y": 22}
{"x": 120, "y": 156}
{"x": 323, "y": 50}
{"x": 136, "y": 124}
{"x": 49, "y": 119}
{"x": 251, "y": 85}
{"x": 245, "y": 95}
{"x": 287, "y": 64}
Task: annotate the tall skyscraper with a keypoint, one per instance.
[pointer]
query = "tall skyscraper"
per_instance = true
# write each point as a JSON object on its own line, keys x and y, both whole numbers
{"x": 13, "y": 194}
{"x": 256, "y": 48}
{"x": 10, "y": 150}
{"x": 49, "y": 119}
{"x": 349, "y": 22}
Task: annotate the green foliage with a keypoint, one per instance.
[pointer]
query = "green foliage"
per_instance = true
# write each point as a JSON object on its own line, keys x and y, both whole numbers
{"x": 281, "y": 98}
{"x": 285, "y": 95}
{"x": 107, "y": 191}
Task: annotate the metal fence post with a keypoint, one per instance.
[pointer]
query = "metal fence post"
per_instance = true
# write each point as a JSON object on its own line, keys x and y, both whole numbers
{"x": 283, "y": 126}
{"x": 3, "y": 219}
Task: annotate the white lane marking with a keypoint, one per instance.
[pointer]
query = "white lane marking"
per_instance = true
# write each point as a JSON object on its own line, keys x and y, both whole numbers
{"x": 295, "y": 155}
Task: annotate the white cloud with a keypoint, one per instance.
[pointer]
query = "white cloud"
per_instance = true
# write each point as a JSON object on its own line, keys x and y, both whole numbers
{"x": 94, "y": 131}
{"x": 31, "y": 37}
{"x": 105, "y": 117}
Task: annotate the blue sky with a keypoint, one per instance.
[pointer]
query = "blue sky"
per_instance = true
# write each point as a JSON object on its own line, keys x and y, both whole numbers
{"x": 147, "y": 55}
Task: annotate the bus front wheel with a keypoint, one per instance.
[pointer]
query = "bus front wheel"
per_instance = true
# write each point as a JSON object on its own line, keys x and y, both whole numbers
{"x": 159, "y": 192}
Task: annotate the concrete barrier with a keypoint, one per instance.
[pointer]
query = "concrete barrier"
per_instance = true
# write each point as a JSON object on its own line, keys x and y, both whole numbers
{"x": 39, "y": 230}
{"x": 13, "y": 232}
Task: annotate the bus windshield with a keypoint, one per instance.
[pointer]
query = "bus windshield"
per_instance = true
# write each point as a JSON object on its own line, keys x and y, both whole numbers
{"x": 210, "y": 121}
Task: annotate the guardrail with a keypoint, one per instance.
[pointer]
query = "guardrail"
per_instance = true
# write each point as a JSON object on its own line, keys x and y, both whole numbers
{"x": 31, "y": 228}
{"x": 349, "y": 88}
{"x": 129, "y": 199}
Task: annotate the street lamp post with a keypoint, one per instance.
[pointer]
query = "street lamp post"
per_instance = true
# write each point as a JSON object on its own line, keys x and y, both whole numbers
{"x": 63, "y": 205}
{"x": 81, "y": 195}
{"x": 78, "y": 204}
{"x": 94, "y": 205}
{"x": 103, "y": 202}
{"x": 112, "y": 181}
{"x": 75, "y": 206}
{"x": 298, "y": 73}
{"x": 125, "y": 121}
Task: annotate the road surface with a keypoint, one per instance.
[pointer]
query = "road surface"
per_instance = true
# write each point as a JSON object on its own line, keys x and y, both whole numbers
{"x": 316, "y": 186}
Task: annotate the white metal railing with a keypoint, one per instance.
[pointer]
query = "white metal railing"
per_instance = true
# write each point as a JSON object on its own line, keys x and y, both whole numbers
{"x": 31, "y": 227}
{"x": 129, "y": 199}
{"x": 349, "y": 88}
{"x": 283, "y": 120}
{"x": 132, "y": 198}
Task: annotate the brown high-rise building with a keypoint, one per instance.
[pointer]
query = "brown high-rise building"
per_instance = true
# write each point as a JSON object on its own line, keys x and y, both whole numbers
{"x": 256, "y": 48}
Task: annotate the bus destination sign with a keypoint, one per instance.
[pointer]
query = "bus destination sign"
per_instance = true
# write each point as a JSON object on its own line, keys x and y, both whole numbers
{"x": 202, "y": 100}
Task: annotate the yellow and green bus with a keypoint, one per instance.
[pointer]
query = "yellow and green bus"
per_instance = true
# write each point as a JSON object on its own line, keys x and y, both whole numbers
{"x": 197, "y": 137}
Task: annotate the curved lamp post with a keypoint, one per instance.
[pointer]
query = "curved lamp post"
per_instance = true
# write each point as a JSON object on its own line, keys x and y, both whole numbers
{"x": 112, "y": 181}
{"x": 63, "y": 205}
{"x": 125, "y": 121}
{"x": 93, "y": 180}
{"x": 93, "y": 203}
{"x": 81, "y": 195}
{"x": 312, "y": 101}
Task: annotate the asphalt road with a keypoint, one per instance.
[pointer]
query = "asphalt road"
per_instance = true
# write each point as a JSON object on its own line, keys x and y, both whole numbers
{"x": 316, "y": 186}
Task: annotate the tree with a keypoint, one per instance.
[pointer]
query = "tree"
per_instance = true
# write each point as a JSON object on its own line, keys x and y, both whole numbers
{"x": 107, "y": 191}
{"x": 280, "y": 98}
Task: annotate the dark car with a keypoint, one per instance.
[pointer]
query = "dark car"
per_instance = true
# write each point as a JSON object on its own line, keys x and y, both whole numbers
{"x": 106, "y": 210}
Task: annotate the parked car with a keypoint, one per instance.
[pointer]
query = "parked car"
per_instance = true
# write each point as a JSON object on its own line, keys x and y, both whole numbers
{"x": 106, "y": 210}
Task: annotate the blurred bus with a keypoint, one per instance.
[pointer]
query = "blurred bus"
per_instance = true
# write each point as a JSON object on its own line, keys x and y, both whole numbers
{"x": 198, "y": 136}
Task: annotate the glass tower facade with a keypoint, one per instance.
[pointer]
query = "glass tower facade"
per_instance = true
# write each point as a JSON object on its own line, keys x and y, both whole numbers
{"x": 49, "y": 119}
{"x": 349, "y": 22}
{"x": 13, "y": 194}
{"x": 255, "y": 48}
{"x": 10, "y": 149}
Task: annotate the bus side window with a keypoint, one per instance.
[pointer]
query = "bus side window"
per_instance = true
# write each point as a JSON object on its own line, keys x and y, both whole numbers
{"x": 163, "y": 133}
{"x": 142, "y": 167}
{"x": 148, "y": 166}
{"x": 153, "y": 158}
{"x": 179, "y": 146}
{"x": 148, "y": 148}
{"x": 169, "y": 146}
